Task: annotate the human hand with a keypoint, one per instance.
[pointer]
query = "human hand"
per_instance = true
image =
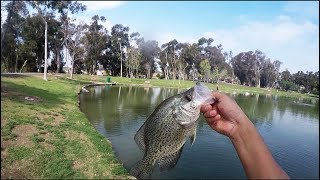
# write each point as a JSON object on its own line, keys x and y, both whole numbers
{"x": 224, "y": 115}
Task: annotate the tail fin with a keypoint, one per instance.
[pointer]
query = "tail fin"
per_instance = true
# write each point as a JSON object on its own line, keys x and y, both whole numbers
{"x": 141, "y": 170}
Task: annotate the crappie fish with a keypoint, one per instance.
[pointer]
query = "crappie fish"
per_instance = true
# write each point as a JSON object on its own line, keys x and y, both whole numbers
{"x": 164, "y": 133}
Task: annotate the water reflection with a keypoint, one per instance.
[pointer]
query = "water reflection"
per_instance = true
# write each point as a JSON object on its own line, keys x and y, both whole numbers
{"x": 288, "y": 126}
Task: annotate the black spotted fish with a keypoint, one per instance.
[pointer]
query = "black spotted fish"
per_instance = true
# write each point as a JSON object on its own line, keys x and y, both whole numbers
{"x": 164, "y": 133}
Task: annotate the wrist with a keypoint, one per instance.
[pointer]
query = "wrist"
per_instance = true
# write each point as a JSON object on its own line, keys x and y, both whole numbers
{"x": 242, "y": 130}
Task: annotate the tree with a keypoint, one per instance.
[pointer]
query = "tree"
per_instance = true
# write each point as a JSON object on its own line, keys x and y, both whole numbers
{"x": 270, "y": 73}
{"x": 75, "y": 46}
{"x": 286, "y": 75}
{"x": 11, "y": 36}
{"x": 187, "y": 59}
{"x": 134, "y": 56}
{"x": 170, "y": 51}
{"x": 205, "y": 69}
{"x": 55, "y": 43}
{"x": 164, "y": 65}
{"x": 14, "y": 8}
{"x": 243, "y": 64}
{"x": 218, "y": 75}
{"x": 287, "y": 85}
{"x": 260, "y": 58}
{"x": 119, "y": 41}
{"x": 95, "y": 40}
{"x": 33, "y": 36}
{"x": 134, "y": 60}
{"x": 60, "y": 6}
{"x": 254, "y": 69}
{"x": 149, "y": 51}
{"x": 228, "y": 57}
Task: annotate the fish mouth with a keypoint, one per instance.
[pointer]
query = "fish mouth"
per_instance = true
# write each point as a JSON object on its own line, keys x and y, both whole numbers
{"x": 202, "y": 95}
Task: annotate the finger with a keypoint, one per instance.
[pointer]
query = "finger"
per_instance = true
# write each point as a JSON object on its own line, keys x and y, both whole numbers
{"x": 218, "y": 96}
{"x": 212, "y": 123}
{"x": 217, "y": 117}
{"x": 206, "y": 108}
{"x": 210, "y": 114}
{"x": 214, "y": 107}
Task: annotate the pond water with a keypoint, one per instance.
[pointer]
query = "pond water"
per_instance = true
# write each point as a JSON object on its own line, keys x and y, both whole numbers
{"x": 290, "y": 128}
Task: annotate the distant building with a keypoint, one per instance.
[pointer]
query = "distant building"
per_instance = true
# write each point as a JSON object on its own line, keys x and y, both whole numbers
{"x": 101, "y": 72}
{"x": 156, "y": 75}
{"x": 66, "y": 69}
{"x": 83, "y": 72}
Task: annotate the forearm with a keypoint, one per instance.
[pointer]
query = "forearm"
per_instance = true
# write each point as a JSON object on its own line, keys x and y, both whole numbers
{"x": 254, "y": 154}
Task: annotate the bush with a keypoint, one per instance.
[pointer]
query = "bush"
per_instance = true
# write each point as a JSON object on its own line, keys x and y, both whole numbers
{"x": 288, "y": 85}
{"x": 161, "y": 76}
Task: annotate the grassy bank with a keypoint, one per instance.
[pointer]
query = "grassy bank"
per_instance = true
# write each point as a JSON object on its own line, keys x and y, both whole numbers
{"x": 223, "y": 87}
{"x": 44, "y": 134}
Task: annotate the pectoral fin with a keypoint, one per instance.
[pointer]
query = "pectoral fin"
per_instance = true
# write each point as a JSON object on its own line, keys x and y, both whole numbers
{"x": 168, "y": 162}
{"x": 193, "y": 136}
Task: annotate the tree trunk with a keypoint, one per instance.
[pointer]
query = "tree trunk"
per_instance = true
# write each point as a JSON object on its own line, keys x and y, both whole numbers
{"x": 174, "y": 75}
{"x": 58, "y": 60}
{"x": 72, "y": 66}
{"x": 16, "y": 66}
{"x": 166, "y": 73}
{"x": 127, "y": 72}
{"x": 25, "y": 62}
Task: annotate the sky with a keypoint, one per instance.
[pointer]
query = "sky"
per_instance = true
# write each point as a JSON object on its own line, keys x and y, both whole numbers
{"x": 287, "y": 31}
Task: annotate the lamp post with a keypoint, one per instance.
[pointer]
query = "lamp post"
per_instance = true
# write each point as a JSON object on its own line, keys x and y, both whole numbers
{"x": 45, "y": 51}
{"x": 120, "y": 57}
{"x": 45, "y": 42}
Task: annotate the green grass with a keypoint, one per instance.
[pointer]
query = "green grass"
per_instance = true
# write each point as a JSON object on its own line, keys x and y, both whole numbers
{"x": 19, "y": 153}
{"x": 68, "y": 148}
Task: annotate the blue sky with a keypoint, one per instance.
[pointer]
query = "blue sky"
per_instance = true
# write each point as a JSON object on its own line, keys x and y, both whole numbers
{"x": 287, "y": 30}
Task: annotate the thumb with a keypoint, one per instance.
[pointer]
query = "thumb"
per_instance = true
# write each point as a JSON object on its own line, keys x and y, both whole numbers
{"x": 217, "y": 95}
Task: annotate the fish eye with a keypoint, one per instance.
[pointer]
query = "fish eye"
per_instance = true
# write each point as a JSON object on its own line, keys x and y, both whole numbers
{"x": 188, "y": 97}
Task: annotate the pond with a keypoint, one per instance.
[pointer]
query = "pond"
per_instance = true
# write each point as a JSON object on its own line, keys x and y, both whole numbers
{"x": 290, "y": 128}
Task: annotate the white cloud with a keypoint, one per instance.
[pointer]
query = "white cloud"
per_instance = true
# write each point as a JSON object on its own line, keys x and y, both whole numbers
{"x": 264, "y": 34}
{"x": 295, "y": 44}
{"x": 292, "y": 37}
{"x": 102, "y": 5}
